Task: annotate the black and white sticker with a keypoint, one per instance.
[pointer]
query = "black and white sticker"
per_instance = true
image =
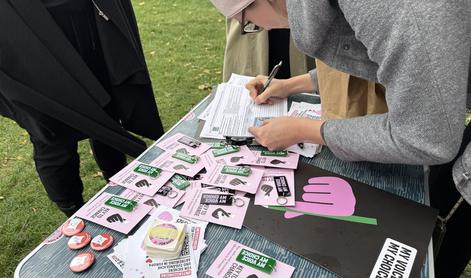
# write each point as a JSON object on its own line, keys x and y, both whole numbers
{"x": 395, "y": 260}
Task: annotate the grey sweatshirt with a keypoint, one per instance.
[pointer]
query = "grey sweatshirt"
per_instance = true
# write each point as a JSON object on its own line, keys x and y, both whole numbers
{"x": 418, "y": 49}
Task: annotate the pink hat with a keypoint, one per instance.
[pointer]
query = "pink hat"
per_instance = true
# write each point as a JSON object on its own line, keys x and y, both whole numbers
{"x": 230, "y": 8}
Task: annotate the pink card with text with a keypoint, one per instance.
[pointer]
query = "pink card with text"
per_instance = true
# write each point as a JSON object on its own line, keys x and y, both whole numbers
{"x": 143, "y": 178}
{"x": 240, "y": 183}
{"x": 182, "y": 143}
{"x": 170, "y": 200}
{"x": 116, "y": 219}
{"x": 226, "y": 265}
{"x": 230, "y": 215}
{"x": 169, "y": 163}
{"x": 288, "y": 162}
{"x": 267, "y": 194}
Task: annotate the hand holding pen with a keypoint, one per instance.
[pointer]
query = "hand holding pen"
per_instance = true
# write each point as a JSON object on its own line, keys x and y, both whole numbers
{"x": 263, "y": 88}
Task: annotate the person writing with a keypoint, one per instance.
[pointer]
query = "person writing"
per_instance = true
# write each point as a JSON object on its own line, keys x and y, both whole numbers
{"x": 418, "y": 50}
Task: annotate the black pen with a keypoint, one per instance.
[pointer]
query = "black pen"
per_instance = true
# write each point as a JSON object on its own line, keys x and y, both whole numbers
{"x": 273, "y": 73}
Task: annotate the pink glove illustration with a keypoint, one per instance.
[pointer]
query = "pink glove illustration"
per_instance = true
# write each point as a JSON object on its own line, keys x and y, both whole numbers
{"x": 325, "y": 196}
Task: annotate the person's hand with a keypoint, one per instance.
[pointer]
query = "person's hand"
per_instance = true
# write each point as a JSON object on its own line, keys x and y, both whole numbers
{"x": 325, "y": 196}
{"x": 280, "y": 133}
{"x": 276, "y": 89}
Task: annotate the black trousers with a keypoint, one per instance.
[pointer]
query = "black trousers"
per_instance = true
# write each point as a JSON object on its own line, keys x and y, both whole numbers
{"x": 455, "y": 250}
{"x": 58, "y": 163}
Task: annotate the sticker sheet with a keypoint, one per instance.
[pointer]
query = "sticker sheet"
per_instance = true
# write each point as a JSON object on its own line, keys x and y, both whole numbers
{"x": 267, "y": 193}
{"x": 248, "y": 184}
{"x": 110, "y": 217}
{"x": 226, "y": 215}
{"x": 237, "y": 261}
{"x": 143, "y": 178}
{"x": 182, "y": 143}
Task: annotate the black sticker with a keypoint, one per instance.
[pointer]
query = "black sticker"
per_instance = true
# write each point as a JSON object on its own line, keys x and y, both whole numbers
{"x": 164, "y": 190}
{"x": 142, "y": 183}
{"x": 216, "y": 199}
{"x": 190, "y": 142}
{"x": 282, "y": 186}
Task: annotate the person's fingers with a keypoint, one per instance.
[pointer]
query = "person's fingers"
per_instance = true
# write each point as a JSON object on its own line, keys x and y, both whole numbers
{"x": 254, "y": 131}
{"x": 263, "y": 97}
{"x": 254, "y": 87}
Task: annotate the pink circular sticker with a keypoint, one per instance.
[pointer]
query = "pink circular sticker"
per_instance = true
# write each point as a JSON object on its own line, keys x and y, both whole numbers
{"x": 163, "y": 234}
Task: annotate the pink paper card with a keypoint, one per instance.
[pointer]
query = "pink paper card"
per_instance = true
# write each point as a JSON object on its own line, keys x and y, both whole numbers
{"x": 170, "y": 200}
{"x": 267, "y": 194}
{"x": 226, "y": 265}
{"x": 143, "y": 178}
{"x": 230, "y": 215}
{"x": 182, "y": 143}
{"x": 288, "y": 162}
{"x": 116, "y": 219}
{"x": 193, "y": 185}
{"x": 169, "y": 163}
{"x": 232, "y": 158}
{"x": 240, "y": 183}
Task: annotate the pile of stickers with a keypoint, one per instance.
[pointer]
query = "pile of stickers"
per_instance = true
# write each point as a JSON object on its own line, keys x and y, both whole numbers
{"x": 164, "y": 231}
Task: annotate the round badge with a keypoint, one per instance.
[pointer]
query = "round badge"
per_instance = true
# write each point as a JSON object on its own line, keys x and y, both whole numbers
{"x": 79, "y": 240}
{"x": 82, "y": 262}
{"x": 163, "y": 234}
{"x": 73, "y": 227}
{"x": 101, "y": 242}
{"x": 239, "y": 202}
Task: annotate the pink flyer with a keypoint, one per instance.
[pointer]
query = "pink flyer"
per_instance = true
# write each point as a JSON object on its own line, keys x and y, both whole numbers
{"x": 116, "y": 219}
{"x": 182, "y": 143}
{"x": 236, "y": 260}
{"x": 169, "y": 199}
{"x": 267, "y": 193}
{"x": 287, "y": 162}
{"x": 167, "y": 162}
{"x": 143, "y": 178}
{"x": 233, "y": 158}
{"x": 227, "y": 215}
{"x": 219, "y": 177}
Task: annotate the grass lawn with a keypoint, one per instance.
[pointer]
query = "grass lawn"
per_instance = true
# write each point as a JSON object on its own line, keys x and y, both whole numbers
{"x": 184, "y": 47}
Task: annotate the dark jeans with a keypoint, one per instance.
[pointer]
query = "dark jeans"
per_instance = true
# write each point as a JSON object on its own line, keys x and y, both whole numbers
{"x": 455, "y": 251}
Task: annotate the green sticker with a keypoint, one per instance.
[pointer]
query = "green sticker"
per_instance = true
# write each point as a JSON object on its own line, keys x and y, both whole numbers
{"x": 257, "y": 261}
{"x": 179, "y": 182}
{"x": 236, "y": 170}
{"x": 121, "y": 203}
{"x": 227, "y": 150}
{"x": 218, "y": 145}
{"x": 192, "y": 159}
{"x": 277, "y": 153}
{"x": 147, "y": 170}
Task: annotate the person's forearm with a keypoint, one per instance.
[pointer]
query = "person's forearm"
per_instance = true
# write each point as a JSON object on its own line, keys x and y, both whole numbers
{"x": 300, "y": 84}
{"x": 309, "y": 131}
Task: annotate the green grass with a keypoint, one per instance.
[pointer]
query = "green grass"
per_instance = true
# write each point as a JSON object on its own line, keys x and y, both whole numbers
{"x": 184, "y": 46}
{"x": 184, "y": 43}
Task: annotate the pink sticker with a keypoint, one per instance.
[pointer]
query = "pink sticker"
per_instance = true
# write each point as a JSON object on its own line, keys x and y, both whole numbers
{"x": 267, "y": 194}
{"x": 110, "y": 217}
{"x": 182, "y": 143}
{"x": 169, "y": 163}
{"x": 326, "y": 196}
{"x": 240, "y": 183}
{"x": 226, "y": 265}
{"x": 132, "y": 177}
{"x": 231, "y": 216}
{"x": 288, "y": 162}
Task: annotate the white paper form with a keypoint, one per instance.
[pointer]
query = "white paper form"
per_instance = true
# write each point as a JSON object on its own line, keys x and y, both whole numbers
{"x": 233, "y": 112}
{"x": 237, "y": 79}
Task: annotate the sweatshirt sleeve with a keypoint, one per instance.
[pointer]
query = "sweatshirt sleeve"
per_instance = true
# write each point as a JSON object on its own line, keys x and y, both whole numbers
{"x": 422, "y": 49}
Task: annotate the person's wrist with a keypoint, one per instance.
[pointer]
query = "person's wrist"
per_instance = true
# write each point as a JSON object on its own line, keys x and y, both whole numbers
{"x": 309, "y": 131}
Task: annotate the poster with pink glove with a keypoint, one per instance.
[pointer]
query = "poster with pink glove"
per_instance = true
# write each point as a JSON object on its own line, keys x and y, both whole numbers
{"x": 231, "y": 215}
{"x": 227, "y": 264}
{"x": 142, "y": 178}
